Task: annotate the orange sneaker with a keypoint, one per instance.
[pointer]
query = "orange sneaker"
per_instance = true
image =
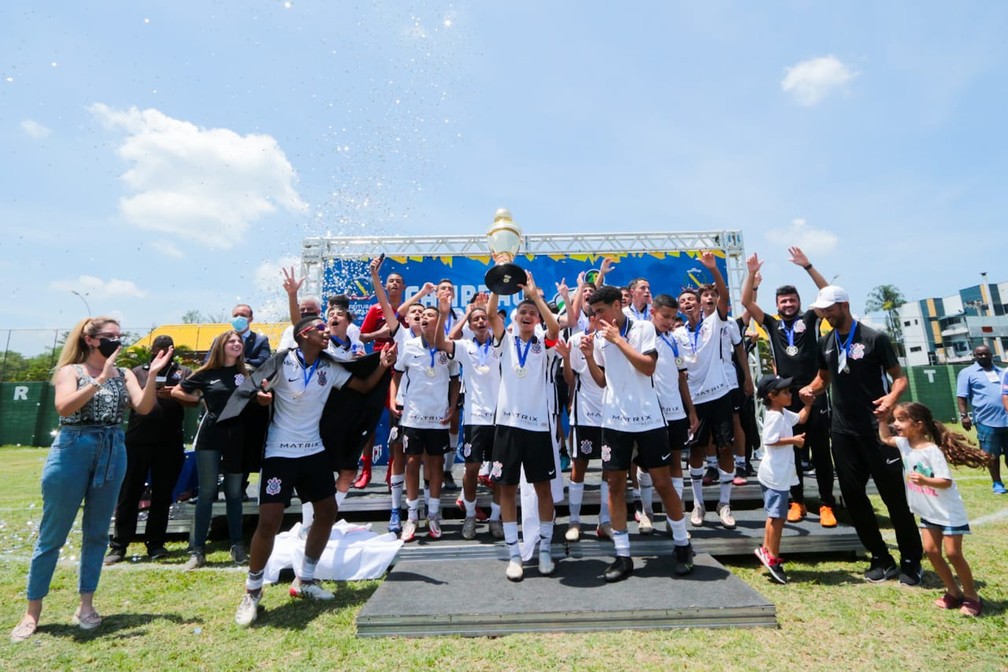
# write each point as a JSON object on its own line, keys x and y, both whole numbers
{"x": 796, "y": 512}
{"x": 826, "y": 517}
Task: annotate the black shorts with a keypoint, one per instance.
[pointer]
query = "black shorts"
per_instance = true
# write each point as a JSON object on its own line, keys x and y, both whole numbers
{"x": 516, "y": 448}
{"x": 477, "y": 444}
{"x": 715, "y": 423}
{"x": 618, "y": 449}
{"x": 587, "y": 442}
{"x": 311, "y": 476}
{"x": 678, "y": 435}
{"x": 737, "y": 399}
{"x": 424, "y": 441}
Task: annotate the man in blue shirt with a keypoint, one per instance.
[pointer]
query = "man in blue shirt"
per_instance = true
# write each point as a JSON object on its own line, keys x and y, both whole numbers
{"x": 980, "y": 385}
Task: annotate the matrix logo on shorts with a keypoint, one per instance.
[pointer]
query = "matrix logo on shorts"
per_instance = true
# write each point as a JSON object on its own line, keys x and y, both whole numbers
{"x": 606, "y": 453}
{"x": 273, "y": 486}
{"x": 586, "y": 447}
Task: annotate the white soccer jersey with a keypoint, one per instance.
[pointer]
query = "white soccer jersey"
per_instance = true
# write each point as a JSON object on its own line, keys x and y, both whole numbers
{"x": 526, "y": 388}
{"x": 730, "y": 337}
{"x": 587, "y": 411}
{"x": 481, "y": 376}
{"x": 630, "y": 400}
{"x": 666, "y": 377}
{"x": 701, "y": 350}
{"x": 299, "y": 396}
{"x": 402, "y": 334}
{"x": 424, "y": 384}
{"x": 346, "y": 350}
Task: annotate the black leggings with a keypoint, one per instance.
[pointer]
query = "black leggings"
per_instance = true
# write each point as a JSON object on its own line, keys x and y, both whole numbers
{"x": 817, "y": 440}
{"x": 858, "y": 457}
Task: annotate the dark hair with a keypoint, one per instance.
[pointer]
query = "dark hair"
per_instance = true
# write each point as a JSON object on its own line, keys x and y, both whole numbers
{"x": 162, "y": 342}
{"x": 303, "y": 324}
{"x": 444, "y": 280}
{"x": 606, "y": 294}
{"x": 554, "y": 308}
{"x": 664, "y": 301}
{"x": 958, "y": 450}
{"x": 708, "y": 287}
{"x": 341, "y": 300}
{"x": 786, "y": 290}
{"x": 636, "y": 281}
{"x": 690, "y": 289}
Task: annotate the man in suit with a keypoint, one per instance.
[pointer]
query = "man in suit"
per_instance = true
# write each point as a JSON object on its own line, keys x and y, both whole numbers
{"x": 257, "y": 347}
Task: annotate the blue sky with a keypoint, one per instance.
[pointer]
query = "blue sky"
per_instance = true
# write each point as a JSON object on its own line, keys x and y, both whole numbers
{"x": 167, "y": 156}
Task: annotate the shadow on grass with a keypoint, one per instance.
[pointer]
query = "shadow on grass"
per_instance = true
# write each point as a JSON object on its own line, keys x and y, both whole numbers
{"x": 114, "y": 626}
{"x": 294, "y": 614}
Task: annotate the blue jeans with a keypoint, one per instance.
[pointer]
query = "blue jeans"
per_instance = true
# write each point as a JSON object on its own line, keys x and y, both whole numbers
{"x": 208, "y": 465}
{"x": 84, "y": 464}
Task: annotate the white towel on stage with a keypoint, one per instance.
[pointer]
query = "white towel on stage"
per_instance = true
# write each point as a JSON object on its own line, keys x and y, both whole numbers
{"x": 353, "y": 553}
{"x": 530, "y": 505}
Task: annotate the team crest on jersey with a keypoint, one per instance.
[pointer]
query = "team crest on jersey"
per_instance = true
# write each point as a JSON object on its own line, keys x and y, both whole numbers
{"x": 537, "y": 347}
{"x": 606, "y": 453}
{"x": 586, "y": 447}
{"x": 857, "y": 351}
{"x": 321, "y": 378}
{"x": 495, "y": 470}
{"x": 239, "y": 379}
{"x": 466, "y": 449}
{"x": 799, "y": 327}
{"x": 273, "y": 486}
{"x": 442, "y": 358}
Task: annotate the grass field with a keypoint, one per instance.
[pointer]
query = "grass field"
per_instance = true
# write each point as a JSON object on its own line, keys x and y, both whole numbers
{"x": 160, "y": 618}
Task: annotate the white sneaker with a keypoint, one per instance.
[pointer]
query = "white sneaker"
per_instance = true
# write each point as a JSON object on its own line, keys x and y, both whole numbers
{"x": 248, "y": 610}
{"x": 725, "y": 514}
{"x": 696, "y": 518}
{"x": 408, "y": 530}
{"x": 433, "y": 528}
{"x": 644, "y": 525}
{"x": 573, "y": 532}
{"x": 546, "y": 564}
{"x": 604, "y": 530}
{"x": 310, "y": 590}
{"x": 515, "y": 571}
{"x": 469, "y": 527}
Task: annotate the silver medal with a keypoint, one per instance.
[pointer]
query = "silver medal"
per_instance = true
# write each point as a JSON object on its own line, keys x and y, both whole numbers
{"x": 430, "y": 371}
{"x": 482, "y": 368}
{"x": 521, "y": 371}
{"x": 679, "y": 362}
{"x": 791, "y": 350}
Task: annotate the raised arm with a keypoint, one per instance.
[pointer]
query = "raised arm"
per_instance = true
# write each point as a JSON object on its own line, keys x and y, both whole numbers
{"x": 604, "y": 269}
{"x": 291, "y": 285}
{"x": 549, "y": 319}
{"x": 404, "y": 307}
{"x": 799, "y": 259}
{"x": 710, "y": 263}
{"x": 749, "y": 285}
{"x": 442, "y": 342}
{"x": 496, "y": 321}
{"x": 391, "y": 319}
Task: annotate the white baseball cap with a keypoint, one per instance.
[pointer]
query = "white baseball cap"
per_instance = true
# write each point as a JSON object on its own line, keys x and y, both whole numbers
{"x": 829, "y": 295}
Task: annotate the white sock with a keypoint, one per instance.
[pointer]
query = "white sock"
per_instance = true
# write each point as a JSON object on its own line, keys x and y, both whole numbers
{"x": 646, "y": 491}
{"x": 677, "y": 484}
{"x": 307, "y": 514}
{"x": 511, "y": 540}
{"x": 621, "y": 539}
{"x": 433, "y": 508}
{"x": 254, "y": 580}
{"x": 340, "y": 496}
{"x": 545, "y": 536}
{"x": 696, "y": 481}
{"x": 678, "y": 527}
{"x": 494, "y": 511}
{"x": 603, "y": 516}
{"x": 712, "y": 462}
{"x": 470, "y": 508}
{"x": 412, "y": 508}
{"x": 726, "y": 486}
{"x": 397, "y": 490}
{"x": 740, "y": 461}
{"x": 575, "y": 495}
{"x": 308, "y": 569}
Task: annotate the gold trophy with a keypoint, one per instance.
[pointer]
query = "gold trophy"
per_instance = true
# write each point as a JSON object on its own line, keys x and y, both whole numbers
{"x": 505, "y": 238}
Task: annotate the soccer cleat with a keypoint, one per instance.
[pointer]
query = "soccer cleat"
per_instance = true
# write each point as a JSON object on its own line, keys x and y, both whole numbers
{"x": 644, "y": 525}
{"x": 408, "y": 530}
{"x": 546, "y": 564}
{"x": 196, "y": 560}
{"x": 619, "y": 570}
{"x": 469, "y": 528}
{"x": 434, "y": 528}
{"x": 515, "y": 571}
{"x": 740, "y": 476}
{"x": 796, "y": 512}
{"x": 826, "y": 517}
{"x": 604, "y": 530}
{"x": 881, "y": 569}
{"x": 725, "y": 514}
{"x": 309, "y": 590}
{"x": 573, "y": 532}
{"x": 696, "y": 518}
{"x": 364, "y": 478}
{"x": 248, "y": 609}
{"x": 394, "y": 522}
{"x": 683, "y": 560}
{"x": 496, "y": 529}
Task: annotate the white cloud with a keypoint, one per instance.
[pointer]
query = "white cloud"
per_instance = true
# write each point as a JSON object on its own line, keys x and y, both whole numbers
{"x": 167, "y": 248}
{"x": 812, "y": 241}
{"x": 809, "y": 82}
{"x": 204, "y": 185}
{"x": 270, "y": 298}
{"x": 91, "y": 287}
{"x": 34, "y": 129}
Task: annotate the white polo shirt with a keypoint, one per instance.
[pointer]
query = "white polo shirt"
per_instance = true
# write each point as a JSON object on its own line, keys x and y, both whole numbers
{"x": 524, "y": 400}
{"x": 424, "y": 384}
{"x": 702, "y": 352}
{"x": 587, "y": 410}
{"x": 481, "y": 375}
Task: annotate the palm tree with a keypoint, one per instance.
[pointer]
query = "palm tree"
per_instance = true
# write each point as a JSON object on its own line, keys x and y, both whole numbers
{"x": 888, "y": 299}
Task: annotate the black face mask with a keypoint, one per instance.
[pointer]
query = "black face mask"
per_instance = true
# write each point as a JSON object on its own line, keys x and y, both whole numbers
{"x": 106, "y": 346}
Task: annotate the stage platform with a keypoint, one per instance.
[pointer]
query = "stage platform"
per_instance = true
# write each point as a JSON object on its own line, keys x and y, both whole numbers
{"x": 423, "y": 597}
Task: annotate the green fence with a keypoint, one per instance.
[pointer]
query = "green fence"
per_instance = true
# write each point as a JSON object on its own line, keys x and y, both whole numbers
{"x": 28, "y": 415}
{"x": 935, "y": 387}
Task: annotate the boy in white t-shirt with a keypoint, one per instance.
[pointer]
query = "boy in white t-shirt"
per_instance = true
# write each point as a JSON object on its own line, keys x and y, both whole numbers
{"x": 776, "y": 472}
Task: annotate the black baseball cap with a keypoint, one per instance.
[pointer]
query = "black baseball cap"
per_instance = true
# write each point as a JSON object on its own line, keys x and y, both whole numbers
{"x": 770, "y": 382}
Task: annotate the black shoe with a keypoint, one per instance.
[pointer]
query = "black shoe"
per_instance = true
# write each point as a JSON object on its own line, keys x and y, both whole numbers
{"x": 881, "y": 569}
{"x": 448, "y": 484}
{"x": 158, "y": 553}
{"x": 683, "y": 560}
{"x": 619, "y": 570}
{"x": 777, "y": 571}
{"x": 911, "y": 573}
{"x": 114, "y": 555}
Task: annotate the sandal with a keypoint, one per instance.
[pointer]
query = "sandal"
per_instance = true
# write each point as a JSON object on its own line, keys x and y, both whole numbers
{"x": 86, "y": 621}
{"x": 949, "y": 601}
{"x": 971, "y": 607}
{"x": 23, "y": 630}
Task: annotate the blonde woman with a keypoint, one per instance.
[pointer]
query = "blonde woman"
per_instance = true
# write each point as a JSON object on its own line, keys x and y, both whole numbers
{"x": 87, "y": 460}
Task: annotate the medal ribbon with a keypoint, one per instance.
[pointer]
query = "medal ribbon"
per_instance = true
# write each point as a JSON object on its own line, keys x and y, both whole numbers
{"x": 672, "y": 344}
{"x": 788, "y": 332}
{"x": 431, "y": 351}
{"x": 695, "y": 334}
{"x": 482, "y": 351}
{"x": 843, "y": 351}
{"x": 522, "y": 354}
{"x": 307, "y": 372}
